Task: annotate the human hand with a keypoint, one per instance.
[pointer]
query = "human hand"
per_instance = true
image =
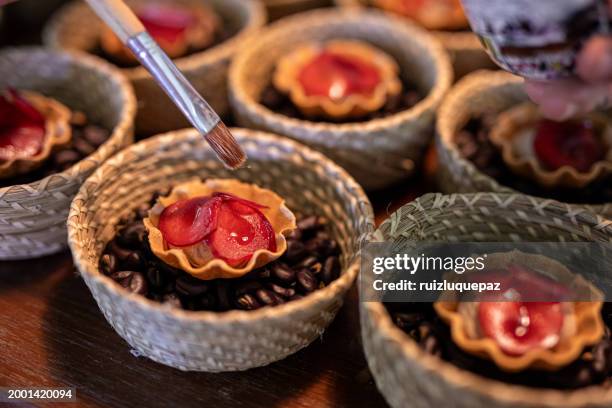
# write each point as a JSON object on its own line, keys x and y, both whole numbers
{"x": 592, "y": 89}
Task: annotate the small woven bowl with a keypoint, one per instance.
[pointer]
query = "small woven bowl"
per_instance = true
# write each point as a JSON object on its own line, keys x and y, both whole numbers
{"x": 209, "y": 341}
{"x": 466, "y": 52}
{"x": 407, "y": 375}
{"x": 477, "y": 93}
{"x": 76, "y": 27}
{"x": 33, "y": 216}
{"x": 281, "y": 8}
{"x": 377, "y": 152}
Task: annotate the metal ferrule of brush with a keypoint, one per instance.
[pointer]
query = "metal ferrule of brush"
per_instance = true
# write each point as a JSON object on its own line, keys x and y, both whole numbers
{"x": 151, "y": 56}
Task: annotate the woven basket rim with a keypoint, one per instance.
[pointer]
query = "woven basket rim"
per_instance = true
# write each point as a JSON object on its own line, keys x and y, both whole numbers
{"x": 465, "y": 379}
{"x": 312, "y": 300}
{"x": 256, "y": 19}
{"x": 445, "y": 132}
{"x": 339, "y": 16}
{"x": 123, "y": 126}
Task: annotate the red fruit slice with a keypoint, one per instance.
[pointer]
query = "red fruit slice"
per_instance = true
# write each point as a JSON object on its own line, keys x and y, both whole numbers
{"x": 22, "y": 128}
{"x": 187, "y": 222}
{"x": 336, "y": 76}
{"x": 166, "y": 22}
{"x": 231, "y": 197}
{"x": 241, "y": 230}
{"x": 572, "y": 143}
{"x": 519, "y": 327}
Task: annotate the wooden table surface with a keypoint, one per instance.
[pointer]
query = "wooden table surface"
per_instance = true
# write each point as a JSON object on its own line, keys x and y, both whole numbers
{"x": 52, "y": 334}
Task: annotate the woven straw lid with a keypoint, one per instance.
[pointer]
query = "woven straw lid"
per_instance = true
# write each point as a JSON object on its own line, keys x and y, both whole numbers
{"x": 75, "y": 26}
{"x": 464, "y": 47}
{"x": 479, "y": 92}
{"x": 378, "y": 152}
{"x": 33, "y": 216}
{"x": 210, "y": 341}
{"x": 409, "y": 376}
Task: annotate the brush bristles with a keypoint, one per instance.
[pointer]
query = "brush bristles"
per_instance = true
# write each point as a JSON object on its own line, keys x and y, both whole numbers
{"x": 226, "y": 147}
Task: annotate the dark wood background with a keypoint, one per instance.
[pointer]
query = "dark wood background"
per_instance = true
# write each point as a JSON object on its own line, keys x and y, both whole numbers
{"x": 52, "y": 333}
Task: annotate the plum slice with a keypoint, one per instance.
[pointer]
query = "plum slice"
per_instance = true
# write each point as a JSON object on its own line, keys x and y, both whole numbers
{"x": 187, "y": 222}
{"x": 572, "y": 143}
{"x": 22, "y": 128}
{"x": 518, "y": 327}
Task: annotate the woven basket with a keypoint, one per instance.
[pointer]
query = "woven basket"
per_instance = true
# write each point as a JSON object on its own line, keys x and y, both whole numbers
{"x": 209, "y": 341}
{"x": 466, "y": 52}
{"x": 33, "y": 216}
{"x": 407, "y": 375}
{"x": 281, "y": 8}
{"x": 479, "y": 92}
{"x": 378, "y": 152}
{"x": 76, "y": 27}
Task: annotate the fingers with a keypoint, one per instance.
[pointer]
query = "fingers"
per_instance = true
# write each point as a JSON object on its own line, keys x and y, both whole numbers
{"x": 560, "y": 100}
{"x": 595, "y": 60}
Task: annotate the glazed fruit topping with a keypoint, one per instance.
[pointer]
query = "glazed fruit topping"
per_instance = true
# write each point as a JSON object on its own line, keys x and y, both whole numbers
{"x": 22, "y": 127}
{"x": 232, "y": 227}
{"x": 572, "y": 143}
{"x": 166, "y": 22}
{"x": 337, "y": 76}
{"x": 521, "y": 323}
{"x": 518, "y": 327}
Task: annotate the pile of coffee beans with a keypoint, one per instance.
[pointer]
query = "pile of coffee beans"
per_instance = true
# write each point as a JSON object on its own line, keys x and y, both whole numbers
{"x": 424, "y": 326}
{"x": 310, "y": 262}
{"x": 279, "y": 102}
{"x": 86, "y": 138}
{"x": 475, "y": 145}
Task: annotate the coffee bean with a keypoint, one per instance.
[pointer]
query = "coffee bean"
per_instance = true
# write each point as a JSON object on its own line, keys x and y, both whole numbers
{"x": 308, "y": 262}
{"x": 247, "y": 302}
{"x": 132, "y": 235}
{"x": 244, "y": 287}
{"x": 155, "y": 277}
{"x": 431, "y": 345}
{"x": 66, "y": 157}
{"x": 264, "y": 274}
{"x": 172, "y": 299}
{"x": 83, "y": 146}
{"x": 120, "y": 276}
{"x": 331, "y": 270}
{"x": 95, "y": 135}
{"x": 283, "y": 273}
{"x": 133, "y": 281}
{"x": 266, "y": 297}
{"x": 295, "y": 235}
{"x": 308, "y": 223}
{"x": 222, "y": 290}
{"x": 108, "y": 264}
{"x": 297, "y": 296}
{"x": 187, "y": 285}
{"x": 282, "y": 291}
{"x": 295, "y": 251}
{"x": 138, "y": 284}
{"x": 133, "y": 261}
{"x": 118, "y": 251}
{"x": 307, "y": 281}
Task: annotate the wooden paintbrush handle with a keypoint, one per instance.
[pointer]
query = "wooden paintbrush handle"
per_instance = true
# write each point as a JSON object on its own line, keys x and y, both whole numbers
{"x": 118, "y": 16}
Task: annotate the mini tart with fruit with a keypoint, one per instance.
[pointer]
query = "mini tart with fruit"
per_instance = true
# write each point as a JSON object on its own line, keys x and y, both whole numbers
{"x": 533, "y": 322}
{"x": 431, "y": 14}
{"x": 220, "y": 228}
{"x": 32, "y": 126}
{"x": 178, "y": 29}
{"x": 571, "y": 154}
{"x": 339, "y": 79}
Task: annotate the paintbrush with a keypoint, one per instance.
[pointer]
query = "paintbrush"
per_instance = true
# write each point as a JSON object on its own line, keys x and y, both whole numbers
{"x": 118, "y": 16}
